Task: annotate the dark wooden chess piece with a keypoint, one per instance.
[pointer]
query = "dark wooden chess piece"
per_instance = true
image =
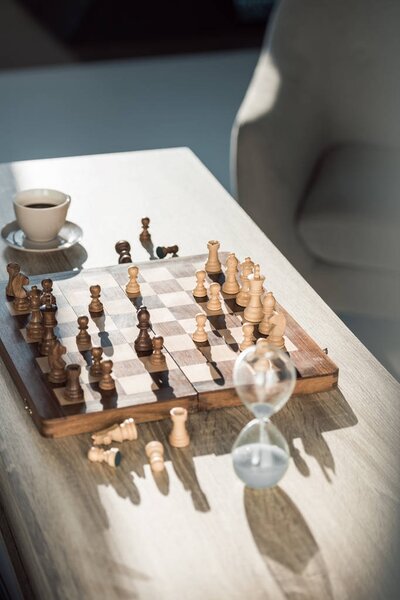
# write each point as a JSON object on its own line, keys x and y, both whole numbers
{"x": 162, "y": 251}
{"x": 95, "y": 368}
{"x": 123, "y": 248}
{"x": 106, "y": 383}
{"x": 12, "y": 269}
{"x": 21, "y": 299}
{"x": 83, "y": 339}
{"x": 96, "y": 306}
{"x": 143, "y": 343}
{"x": 73, "y": 390}
{"x": 57, "y": 364}
{"x": 49, "y": 322}
{"x": 158, "y": 358}
{"x": 145, "y": 234}
{"x": 47, "y": 298}
{"x": 34, "y": 328}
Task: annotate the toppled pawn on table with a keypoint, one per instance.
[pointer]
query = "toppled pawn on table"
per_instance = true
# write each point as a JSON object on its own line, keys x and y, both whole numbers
{"x": 123, "y": 249}
{"x": 83, "y": 339}
{"x": 111, "y": 457}
{"x": 155, "y": 453}
{"x": 119, "y": 432}
{"x": 163, "y": 251}
{"x": 96, "y": 306}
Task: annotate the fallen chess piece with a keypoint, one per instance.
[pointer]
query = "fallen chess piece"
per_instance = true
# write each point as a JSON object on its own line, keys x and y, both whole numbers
{"x": 123, "y": 249}
{"x": 179, "y": 437}
{"x": 155, "y": 454}
{"x": 162, "y": 251}
{"x": 112, "y": 456}
{"x": 116, "y": 433}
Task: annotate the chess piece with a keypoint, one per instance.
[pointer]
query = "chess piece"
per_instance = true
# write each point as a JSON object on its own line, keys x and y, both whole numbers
{"x": 57, "y": 364}
{"x": 248, "y": 337}
{"x": 179, "y": 437}
{"x": 214, "y": 303}
{"x": 262, "y": 346}
{"x": 34, "y": 328}
{"x": 213, "y": 264}
{"x": 12, "y": 269}
{"x": 117, "y": 433}
{"x": 73, "y": 390}
{"x": 83, "y": 339}
{"x": 243, "y": 296}
{"x": 155, "y": 453}
{"x": 123, "y": 249}
{"x": 145, "y": 234}
{"x": 132, "y": 288}
{"x": 253, "y": 312}
{"x": 162, "y": 251}
{"x": 230, "y": 285}
{"x": 47, "y": 298}
{"x": 95, "y": 367}
{"x": 49, "y": 322}
{"x": 158, "y": 358}
{"x": 200, "y": 335}
{"x": 200, "y": 291}
{"x": 268, "y": 305}
{"x": 277, "y": 331}
{"x": 21, "y": 299}
{"x": 107, "y": 383}
{"x": 95, "y": 307}
{"x": 143, "y": 343}
{"x": 111, "y": 457}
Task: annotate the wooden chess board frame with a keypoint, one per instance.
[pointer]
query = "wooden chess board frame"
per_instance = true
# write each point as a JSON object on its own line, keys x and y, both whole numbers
{"x": 197, "y": 376}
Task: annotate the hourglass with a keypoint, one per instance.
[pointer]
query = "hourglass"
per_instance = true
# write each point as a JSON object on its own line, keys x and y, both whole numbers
{"x": 264, "y": 378}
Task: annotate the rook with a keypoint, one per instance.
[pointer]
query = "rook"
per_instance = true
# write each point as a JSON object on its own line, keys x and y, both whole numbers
{"x": 73, "y": 390}
{"x": 213, "y": 264}
{"x": 179, "y": 437}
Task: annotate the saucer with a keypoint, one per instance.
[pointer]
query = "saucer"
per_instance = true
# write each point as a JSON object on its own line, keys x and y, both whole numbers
{"x": 69, "y": 235}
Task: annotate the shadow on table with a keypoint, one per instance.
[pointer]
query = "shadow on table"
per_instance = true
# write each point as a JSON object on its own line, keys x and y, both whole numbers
{"x": 35, "y": 263}
{"x": 286, "y": 544}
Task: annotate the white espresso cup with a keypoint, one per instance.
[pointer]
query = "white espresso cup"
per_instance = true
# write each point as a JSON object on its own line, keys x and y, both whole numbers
{"x": 41, "y": 213}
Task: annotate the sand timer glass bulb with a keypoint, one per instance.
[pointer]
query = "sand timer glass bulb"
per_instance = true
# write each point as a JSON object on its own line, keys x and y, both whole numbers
{"x": 264, "y": 378}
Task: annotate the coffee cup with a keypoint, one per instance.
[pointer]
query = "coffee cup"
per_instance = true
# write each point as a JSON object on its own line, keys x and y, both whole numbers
{"x": 41, "y": 213}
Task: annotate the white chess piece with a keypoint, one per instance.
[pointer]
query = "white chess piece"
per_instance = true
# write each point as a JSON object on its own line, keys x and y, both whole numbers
{"x": 132, "y": 288}
{"x": 155, "y": 454}
{"x": 248, "y": 337}
{"x": 214, "y": 303}
{"x": 277, "y": 332}
{"x": 200, "y": 335}
{"x": 112, "y": 456}
{"x": 213, "y": 264}
{"x": 268, "y": 305}
{"x": 243, "y": 296}
{"x": 230, "y": 285}
{"x": 200, "y": 291}
{"x": 117, "y": 433}
{"x": 253, "y": 312}
{"x": 179, "y": 437}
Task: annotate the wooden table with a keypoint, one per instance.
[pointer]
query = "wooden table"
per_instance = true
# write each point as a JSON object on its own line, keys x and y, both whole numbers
{"x": 329, "y": 530}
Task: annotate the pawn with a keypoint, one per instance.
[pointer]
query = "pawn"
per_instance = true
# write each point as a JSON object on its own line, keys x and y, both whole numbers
{"x": 145, "y": 234}
{"x": 83, "y": 339}
{"x": 268, "y": 305}
{"x": 230, "y": 285}
{"x": 200, "y": 291}
{"x": 214, "y": 302}
{"x": 12, "y": 269}
{"x": 47, "y": 298}
{"x": 132, "y": 288}
{"x": 107, "y": 383}
{"x": 95, "y": 368}
{"x": 73, "y": 390}
{"x": 248, "y": 337}
{"x": 278, "y": 326}
{"x": 112, "y": 456}
{"x": 163, "y": 251}
{"x": 155, "y": 453}
{"x": 158, "y": 358}
{"x": 96, "y": 306}
{"x": 123, "y": 249}
{"x": 179, "y": 437}
{"x": 117, "y": 433}
{"x": 200, "y": 335}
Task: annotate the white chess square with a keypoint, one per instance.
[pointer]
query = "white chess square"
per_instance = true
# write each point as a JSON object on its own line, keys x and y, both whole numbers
{"x": 187, "y": 283}
{"x": 146, "y": 290}
{"x": 122, "y": 352}
{"x": 65, "y": 314}
{"x": 175, "y": 343}
{"x": 232, "y": 335}
{"x": 175, "y": 299}
{"x": 221, "y": 353}
{"x": 157, "y": 274}
{"x": 130, "y": 334}
{"x": 136, "y": 384}
{"x": 119, "y": 307}
{"x": 103, "y": 279}
{"x": 290, "y": 347}
{"x": 189, "y": 325}
{"x": 200, "y": 372}
{"x": 98, "y": 324}
{"x": 161, "y": 315}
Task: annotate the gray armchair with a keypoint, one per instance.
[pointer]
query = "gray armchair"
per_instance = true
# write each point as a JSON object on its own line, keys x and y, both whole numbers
{"x": 316, "y": 148}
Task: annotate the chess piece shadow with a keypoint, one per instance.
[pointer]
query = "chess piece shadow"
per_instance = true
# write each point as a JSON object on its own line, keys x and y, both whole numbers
{"x": 38, "y": 262}
{"x": 149, "y": 247}
{"x": 162, "y": 481}
{"x": 106, "y": 343}
{"x": 183, "y": 463}
{"x": 286, "y": 544}
{"x": 205, "y": 349}
{"x": 163, "y": 388}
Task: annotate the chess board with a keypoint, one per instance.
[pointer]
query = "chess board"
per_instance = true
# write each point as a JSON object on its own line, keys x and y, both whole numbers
{"x": 196, "y": 376}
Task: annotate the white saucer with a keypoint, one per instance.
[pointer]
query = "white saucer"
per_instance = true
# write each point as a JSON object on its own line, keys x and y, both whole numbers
{"x": 69, "y": 235}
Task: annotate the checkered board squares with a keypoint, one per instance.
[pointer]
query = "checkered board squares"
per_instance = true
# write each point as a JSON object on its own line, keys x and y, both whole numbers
{"x": 197, "y": 376}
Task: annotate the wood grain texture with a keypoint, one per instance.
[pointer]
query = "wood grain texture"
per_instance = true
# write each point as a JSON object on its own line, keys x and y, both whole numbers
{"x": 329, "y": 530}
